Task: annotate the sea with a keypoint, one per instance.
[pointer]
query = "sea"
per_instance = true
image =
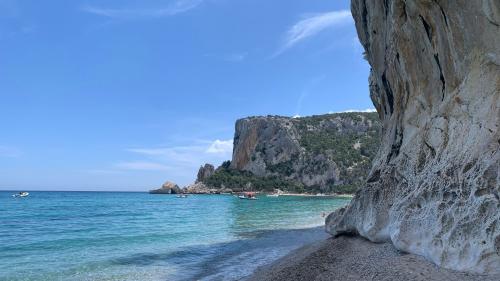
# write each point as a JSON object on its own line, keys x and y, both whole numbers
{"x": 139, "y": 236}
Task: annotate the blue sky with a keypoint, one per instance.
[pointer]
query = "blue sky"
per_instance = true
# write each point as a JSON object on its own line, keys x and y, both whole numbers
{"x": 124, "y": 95}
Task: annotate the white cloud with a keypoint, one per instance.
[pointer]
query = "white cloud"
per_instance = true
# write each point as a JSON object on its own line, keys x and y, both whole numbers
{"x": 355, "y": 110}
{"x": 142, "y": 166}
{"x": 176, "y": 163}
{"x": 221, "y": 147}
{"x": 180, "y": 155}
{"x": 177, "y": 7}
{"x": 190, "y": 155}
{"x": 313, "y": 25}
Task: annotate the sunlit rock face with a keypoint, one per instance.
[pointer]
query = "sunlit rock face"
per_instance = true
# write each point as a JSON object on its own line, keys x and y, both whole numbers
{"x": 295, "y": 148}
{"x": 205, "y": 172}
{"x": 434, "y": 186}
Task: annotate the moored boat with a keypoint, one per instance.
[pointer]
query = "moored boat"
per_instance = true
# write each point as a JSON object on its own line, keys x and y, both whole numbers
{"x": 248, "y": 196}
{"x": 21, "y": 194}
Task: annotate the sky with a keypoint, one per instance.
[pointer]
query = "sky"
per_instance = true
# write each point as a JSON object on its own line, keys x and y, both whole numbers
{"x": 124, "y": 95}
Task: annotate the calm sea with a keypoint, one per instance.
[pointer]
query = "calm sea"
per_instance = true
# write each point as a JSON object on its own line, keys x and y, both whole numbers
{"x": 138, "y": 236}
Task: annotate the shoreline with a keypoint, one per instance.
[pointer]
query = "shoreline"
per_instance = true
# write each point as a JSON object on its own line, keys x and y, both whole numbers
{"x": 339, "y": 195}
{"x": 355, "y": 259}
{"x": 259, "y": 249}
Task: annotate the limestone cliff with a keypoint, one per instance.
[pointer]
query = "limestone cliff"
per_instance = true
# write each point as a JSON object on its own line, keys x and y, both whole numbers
{"x": 435, "y": 81}
{"x": 325, "y": 153}
{"x": 205, "y": 172}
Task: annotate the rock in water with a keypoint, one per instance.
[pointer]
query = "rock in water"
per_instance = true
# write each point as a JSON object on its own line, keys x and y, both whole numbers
{"x": 205, "y": 172}
{"x": 434, "y": 187}
{"x": 167, "y": 188}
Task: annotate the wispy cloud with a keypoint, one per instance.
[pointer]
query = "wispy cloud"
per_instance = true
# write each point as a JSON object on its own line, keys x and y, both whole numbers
{"x": 176, "y": 163}
{"x": 191, "y": 155}
{"x": 142, "y": 166}
{"x": 311, "y": 26}
{"x": 179, "y": 155}
{"x": 221, "y": 147}
{"x": 177, "y": 7}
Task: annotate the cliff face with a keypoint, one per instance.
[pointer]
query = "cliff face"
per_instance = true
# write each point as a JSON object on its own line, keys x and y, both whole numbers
{"x": 435, "y": 81}
{"x": 321, "y": 152}
{"x": 205, "y": 172}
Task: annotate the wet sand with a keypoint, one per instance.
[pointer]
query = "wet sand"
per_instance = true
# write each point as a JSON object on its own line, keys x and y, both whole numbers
{"x": 355, "y": 258}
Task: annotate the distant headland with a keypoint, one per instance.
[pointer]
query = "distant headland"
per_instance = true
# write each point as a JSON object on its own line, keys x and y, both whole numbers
{"x": 321, "y": 154}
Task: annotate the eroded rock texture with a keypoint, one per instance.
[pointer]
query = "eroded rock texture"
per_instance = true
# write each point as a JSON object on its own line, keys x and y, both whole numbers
{"x": 435, "y": 81}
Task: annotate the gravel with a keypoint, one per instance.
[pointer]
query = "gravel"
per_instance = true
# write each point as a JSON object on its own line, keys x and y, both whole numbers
{"x": 355, "y": 258}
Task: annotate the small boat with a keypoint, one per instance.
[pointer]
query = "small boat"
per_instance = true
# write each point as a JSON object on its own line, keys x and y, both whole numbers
{"x": 272, "y": 195}
{"x": 21, "y": 194}
{"x": 182, "y": 196}
{"x": 248, "y": 196}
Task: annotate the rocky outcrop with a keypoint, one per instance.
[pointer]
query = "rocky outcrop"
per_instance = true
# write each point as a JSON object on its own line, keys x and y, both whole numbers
{"x": 435, "y": 81}
{"x": 167, "y": 188}
{"x": 321, "y": 152}
{"x": 201, "y": 188}
{"x": 197, "y": 188}
{"x": 205, "y": 172}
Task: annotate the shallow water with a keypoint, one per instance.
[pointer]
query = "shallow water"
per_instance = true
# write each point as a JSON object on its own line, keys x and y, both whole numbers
{"x": 138, "y": 236}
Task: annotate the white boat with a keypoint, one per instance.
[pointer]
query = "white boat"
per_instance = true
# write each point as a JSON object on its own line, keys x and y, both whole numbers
{"x": 248, "y": 196}
{"x": 182, "y": 196}
{"x": 21, "y": 194}
{"x": 273, "y": 195}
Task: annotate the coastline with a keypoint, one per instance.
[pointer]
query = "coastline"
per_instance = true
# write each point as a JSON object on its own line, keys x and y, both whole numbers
{"x": 336, "y": 195}
{"x": 354, "y": 259}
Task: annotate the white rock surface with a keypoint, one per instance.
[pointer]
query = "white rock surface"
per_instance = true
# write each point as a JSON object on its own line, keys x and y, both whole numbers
{"x": 435, "y": 81}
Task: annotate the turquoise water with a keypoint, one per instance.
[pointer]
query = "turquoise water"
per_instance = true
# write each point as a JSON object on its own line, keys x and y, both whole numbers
{"x": 138, "y": 236}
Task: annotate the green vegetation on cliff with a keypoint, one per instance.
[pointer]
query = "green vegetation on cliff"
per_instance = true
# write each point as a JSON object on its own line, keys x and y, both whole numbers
{"x": 316, "y": 154}
{"x": 352, "y": 150}
{"x": 246, "y": 181}
{"x": 225, "y": 177}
